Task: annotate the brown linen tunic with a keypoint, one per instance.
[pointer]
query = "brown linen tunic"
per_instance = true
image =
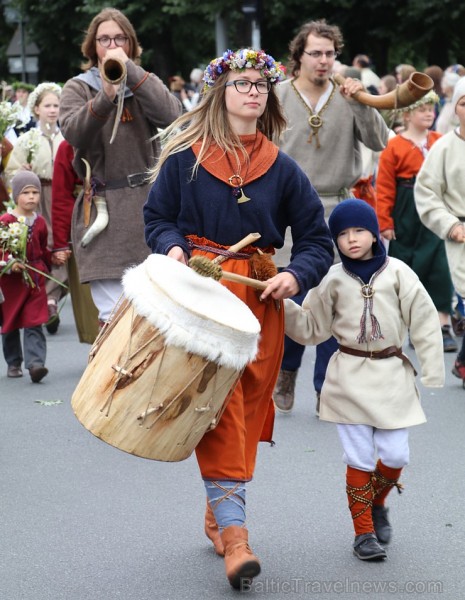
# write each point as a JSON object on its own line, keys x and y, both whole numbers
{"x": 86, "y": 119}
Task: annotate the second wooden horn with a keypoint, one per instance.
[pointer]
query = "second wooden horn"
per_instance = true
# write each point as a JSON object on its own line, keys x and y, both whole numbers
{"x": 114, "y": 70}
{"x": 404, "y": 95}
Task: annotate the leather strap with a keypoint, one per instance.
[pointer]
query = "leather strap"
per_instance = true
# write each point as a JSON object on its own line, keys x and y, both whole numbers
{"x": 386, "y": 353}
{"x": 131, "y": 181}
{"x": 376, "y": 355}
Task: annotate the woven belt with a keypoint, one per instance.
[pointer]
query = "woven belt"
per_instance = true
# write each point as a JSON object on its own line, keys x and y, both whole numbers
{"x": 377, "y": 355}
{"x": 45, "y": 182}
{"x": 131, "y": 181}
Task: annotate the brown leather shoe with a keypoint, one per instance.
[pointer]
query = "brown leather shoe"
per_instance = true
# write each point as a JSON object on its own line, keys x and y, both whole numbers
{"x": 283, "y": 394}
{"x": 53, "y": 319}
{"x": 37, "y": 373}
{"x": 14, "y": 371}
{"x": 240, "y": 563}
{"x": 212, "y": 532}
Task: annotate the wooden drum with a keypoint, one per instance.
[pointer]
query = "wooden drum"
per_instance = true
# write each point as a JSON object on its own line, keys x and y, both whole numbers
{"x": 161, "y": 371}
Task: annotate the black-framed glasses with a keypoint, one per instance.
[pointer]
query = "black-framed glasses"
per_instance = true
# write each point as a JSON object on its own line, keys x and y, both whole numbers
{"x": 243, "y": 86}
{"x": 317, "y": 54}
{"x": 105, "y": 40}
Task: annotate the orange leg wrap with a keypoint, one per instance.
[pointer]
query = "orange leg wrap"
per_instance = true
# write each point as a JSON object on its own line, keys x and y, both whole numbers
{"x": 384, "y": 479}
{"x": 360, "y": 496}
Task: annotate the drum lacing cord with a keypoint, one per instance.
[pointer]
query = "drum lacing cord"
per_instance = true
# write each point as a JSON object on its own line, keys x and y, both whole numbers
{"x": 121, "y": 371}
{"x": 161, "y": 409}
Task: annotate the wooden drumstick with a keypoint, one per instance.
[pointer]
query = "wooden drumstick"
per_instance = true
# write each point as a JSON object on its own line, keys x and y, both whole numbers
{"x": 208, "y": 268}
{"x": 249, "y": 239}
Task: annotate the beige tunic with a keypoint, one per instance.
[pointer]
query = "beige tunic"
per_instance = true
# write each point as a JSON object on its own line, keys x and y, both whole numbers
{"x": 337, "y": 164}
{"x": 440, "y": 198}
{"x": 358, "y": 390}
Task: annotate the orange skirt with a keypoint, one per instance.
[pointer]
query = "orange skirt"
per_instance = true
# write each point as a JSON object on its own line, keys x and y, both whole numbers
{"x": 230, "y": 450}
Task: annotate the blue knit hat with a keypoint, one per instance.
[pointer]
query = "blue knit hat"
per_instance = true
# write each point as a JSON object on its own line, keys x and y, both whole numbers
{"x": 353, "y": 213}
{"x": 357, "y": 213}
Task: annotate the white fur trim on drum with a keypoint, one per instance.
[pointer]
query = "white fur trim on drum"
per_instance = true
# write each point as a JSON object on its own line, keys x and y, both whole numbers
{"x": 193, "y": 312}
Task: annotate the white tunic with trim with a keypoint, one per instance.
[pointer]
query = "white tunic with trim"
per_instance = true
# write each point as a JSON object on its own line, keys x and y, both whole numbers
{"x": 358, "y": 390}
{"x": 440, "y": 198}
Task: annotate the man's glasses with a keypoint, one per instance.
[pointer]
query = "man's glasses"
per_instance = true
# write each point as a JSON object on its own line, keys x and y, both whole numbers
{"x": 243, "y": 86}
{"x": 318, "y": 54}
{"x": 105, "y": 40}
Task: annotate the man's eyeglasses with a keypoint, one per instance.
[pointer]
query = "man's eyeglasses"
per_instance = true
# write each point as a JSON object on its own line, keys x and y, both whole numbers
{"x": 105, "y": 40}
{"x": 318, "y": 54}
{"x": 243, "y": 86}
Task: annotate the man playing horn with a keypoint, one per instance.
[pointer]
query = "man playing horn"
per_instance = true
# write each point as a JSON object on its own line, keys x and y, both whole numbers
{"x": 119, "y": 147}
{"x": 325, "y": 129}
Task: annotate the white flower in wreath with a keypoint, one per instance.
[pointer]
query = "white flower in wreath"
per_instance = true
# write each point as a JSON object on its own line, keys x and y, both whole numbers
{"x": 42, "y": 88}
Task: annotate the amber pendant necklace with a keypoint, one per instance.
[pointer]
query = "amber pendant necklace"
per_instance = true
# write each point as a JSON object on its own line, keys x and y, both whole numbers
{"x": 237, "y": 182}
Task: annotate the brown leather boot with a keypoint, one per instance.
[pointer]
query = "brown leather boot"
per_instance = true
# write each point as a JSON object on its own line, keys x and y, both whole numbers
{"x": 212, "y": 532}
{"x": 240, "y": 563}
{"x": 283, "y": 394}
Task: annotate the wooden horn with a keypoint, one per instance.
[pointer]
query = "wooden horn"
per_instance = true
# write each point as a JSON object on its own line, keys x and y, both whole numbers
{"x": 114, "y": 70}
{"x": 404, "y": 95}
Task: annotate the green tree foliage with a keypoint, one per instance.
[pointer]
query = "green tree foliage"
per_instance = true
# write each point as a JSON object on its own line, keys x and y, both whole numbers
{"x": 177, "y": 35}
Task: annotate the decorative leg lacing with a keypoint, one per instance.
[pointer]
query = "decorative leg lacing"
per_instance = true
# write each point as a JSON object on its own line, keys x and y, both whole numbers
{"x": 380, "y": 483}
{"x": 229, "y": 494}
{"x": 363, "y": 494}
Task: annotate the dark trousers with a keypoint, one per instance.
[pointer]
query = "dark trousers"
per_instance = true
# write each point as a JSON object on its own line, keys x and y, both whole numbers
{"x": 293, "y": 353}
{"x": 34, "y": 343}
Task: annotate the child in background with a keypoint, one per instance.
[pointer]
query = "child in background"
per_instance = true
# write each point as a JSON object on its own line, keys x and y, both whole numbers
{"x": 440, "y": 201}
{"x": 35, "y": 151}
{"x": 25, "y": 305}
{"x": 409, "y": 240}
{"x": 368, "y": 302}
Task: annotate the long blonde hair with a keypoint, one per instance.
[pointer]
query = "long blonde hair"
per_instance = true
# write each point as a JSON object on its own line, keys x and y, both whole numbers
{"x": 208, "y": 122}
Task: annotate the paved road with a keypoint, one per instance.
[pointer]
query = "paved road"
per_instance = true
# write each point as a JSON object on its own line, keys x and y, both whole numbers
{"x": 81, "y": 520}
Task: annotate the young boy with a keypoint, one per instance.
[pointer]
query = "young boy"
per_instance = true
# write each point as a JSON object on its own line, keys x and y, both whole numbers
{"x": 25, "y": 305}
{"x": 368, "y": 302}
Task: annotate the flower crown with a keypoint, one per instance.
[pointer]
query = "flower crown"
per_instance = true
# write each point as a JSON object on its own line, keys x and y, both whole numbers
{"x": 245, "y": 58}
{"x": 429, "y": 98}
{"x": 47, "y": 86}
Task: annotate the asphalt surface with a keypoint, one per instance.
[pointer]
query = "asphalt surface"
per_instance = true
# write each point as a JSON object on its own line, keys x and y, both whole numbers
{"x": 81, "y": 520}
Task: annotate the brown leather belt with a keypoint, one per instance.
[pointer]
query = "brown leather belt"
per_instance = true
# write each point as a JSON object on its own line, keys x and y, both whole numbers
{"x": 131, "y": 181}
{"x": 376, "y": 355}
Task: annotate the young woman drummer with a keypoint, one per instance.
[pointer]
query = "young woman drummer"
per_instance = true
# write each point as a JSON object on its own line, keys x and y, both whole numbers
{"x": 218, "y": 179}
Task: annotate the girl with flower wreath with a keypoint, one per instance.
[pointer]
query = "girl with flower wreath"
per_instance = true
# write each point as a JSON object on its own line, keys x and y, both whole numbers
{"x": 35, "y": 151}
{"x": 25, "y": 302}
{"x": 218, "y": 179}
{"x": 409, "y": 240}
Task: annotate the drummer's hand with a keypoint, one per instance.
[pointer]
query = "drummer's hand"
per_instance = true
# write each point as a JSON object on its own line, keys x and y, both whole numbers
{"x": 283, "y": 285}
{"x": 177, "y": 253}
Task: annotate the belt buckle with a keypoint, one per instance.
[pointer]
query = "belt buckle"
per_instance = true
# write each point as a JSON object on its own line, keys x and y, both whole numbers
{"x": 136, "y": 179}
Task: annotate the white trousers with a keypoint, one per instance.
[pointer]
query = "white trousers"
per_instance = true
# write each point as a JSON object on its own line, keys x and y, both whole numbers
{"x": 362, "y": 444}
{"x": 105, "y": 294}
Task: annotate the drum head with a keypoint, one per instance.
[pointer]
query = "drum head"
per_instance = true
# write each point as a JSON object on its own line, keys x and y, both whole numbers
{"x": 193, "y": 312}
